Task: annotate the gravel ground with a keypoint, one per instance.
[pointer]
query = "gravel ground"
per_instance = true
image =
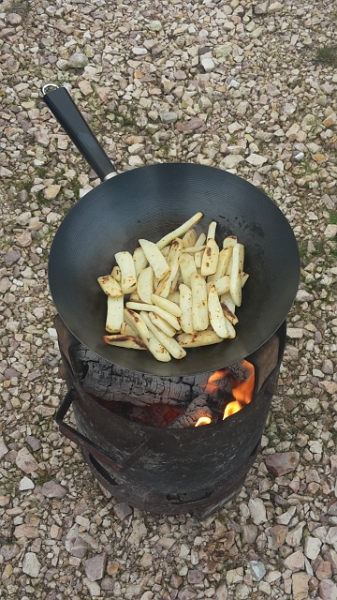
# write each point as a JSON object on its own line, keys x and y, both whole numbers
{"x": 246, "y": 86}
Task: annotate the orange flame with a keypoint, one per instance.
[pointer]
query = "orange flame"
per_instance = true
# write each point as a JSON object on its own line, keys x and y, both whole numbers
{"x": 211, "y": 386}
{"x": 203, "y": 421}
{"x": 243, "y": 392}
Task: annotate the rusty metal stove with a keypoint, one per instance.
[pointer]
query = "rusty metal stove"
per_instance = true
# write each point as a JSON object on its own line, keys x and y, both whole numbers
{"x": 169, "y": 471}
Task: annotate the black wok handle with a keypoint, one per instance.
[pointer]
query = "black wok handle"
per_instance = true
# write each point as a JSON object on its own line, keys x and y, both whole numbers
{"x": 93, "y": 449}
{"x": 69, "y": 117}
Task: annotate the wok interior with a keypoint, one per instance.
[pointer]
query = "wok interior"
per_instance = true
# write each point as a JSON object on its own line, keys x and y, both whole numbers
{"x": 148, "y": 203}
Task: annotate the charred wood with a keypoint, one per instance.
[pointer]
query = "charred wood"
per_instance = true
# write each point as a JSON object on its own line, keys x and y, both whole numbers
{"x": 196, "y": 409}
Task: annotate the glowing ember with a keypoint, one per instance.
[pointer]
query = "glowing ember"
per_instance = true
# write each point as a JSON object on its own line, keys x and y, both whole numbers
{"x": 203, "y": 421}
{"x": 243, "y": 392}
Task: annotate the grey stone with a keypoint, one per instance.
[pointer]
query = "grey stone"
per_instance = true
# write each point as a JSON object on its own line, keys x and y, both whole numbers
{"x": 257, "y": 569}
{"x": 14, "y": 19}
{"x": 281, "y": 463}
{"x": 26, "y": 462}
{"x": 78, "y": 60}
{"x": 95, "y": 567}
{"x": 5, "y": 284}
{"x": 3, "y": 447}
{"x": 11, "y": 257}
{"x": 26, "y": 484}
{"x": 168, "y": 117}
{"x": 52, "y": 489}
{"x": 257, "y": 511}
{"x": 122, "y": 510}
{"x": 207, "y": 64}
{"x": 31, "y": 565}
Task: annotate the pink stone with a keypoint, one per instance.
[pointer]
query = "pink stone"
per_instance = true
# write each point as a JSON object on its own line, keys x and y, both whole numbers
{"x": 281, "y": 463}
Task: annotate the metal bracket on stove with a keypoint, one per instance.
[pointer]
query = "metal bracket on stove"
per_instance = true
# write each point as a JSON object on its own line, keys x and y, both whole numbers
{"x": 83, "y": 442}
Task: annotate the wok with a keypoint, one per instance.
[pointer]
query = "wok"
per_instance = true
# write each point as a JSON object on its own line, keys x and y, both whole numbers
{"x": 148, "y": 202}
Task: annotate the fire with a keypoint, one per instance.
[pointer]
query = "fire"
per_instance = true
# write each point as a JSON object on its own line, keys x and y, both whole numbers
{"x": 203, "y": 421}
{"x": 211, "y": 386}
{"x": 242, "y": 393}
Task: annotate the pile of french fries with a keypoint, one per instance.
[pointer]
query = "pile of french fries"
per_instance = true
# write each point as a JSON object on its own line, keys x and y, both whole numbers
{"x": 178, "y": 293}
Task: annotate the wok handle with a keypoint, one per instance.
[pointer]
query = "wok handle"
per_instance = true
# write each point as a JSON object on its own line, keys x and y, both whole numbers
{"x": 69, "y": 117}
{"x": 91, "y": 447}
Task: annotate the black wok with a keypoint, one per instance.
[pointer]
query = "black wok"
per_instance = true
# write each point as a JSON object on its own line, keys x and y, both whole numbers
{"x": 148, "y": 202}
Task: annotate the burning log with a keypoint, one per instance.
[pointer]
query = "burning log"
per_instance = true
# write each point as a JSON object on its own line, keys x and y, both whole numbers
{"x": 196, "y": 410}
{"x": 110, "y": 382}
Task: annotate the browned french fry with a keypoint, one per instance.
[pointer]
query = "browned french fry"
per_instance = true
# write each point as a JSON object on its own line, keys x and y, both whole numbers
{"x": 228, "y": 301}
{"x": 230, "y": 316}
{"x": 190, "y": 238}
{"x": 157, "y": 349}
{"x": 186, "y": 320}
{"x": 200, "y": 338}
{"x": 169, "y": 343}
{"x": 210, "y": 258}
{"x": 128, "y": 271}
{"x": 134, "y": 297}
{"x": 155, "y": 258}
{"x": 136, "y": 322}
{"x": 114, "y": 318}
{"x": 199, "y": 302}
{"x": 164, "y": 285}
{"x": 110, "y": 286}
{"x": 116, "y": 273}
{"x": 221, "y": 285}
{"x": 180, "y": 230}
{"x": 171, "y": 319}
{"x": 193, "y": 249}
{"x": 229, "y": 241}
{"x": 127, "y": 330}
{"x": 125, "y": 341}
{"x": 235, "y": 286}
{"x": 216, "y": 316}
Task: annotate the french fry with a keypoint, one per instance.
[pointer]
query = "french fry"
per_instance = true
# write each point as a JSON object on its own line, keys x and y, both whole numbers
{"x": 136, "y": 322}
{"x": 157, "y": 349}
{"x": 229, "y": 242}
{"x": 116, "y": 273}
{"x": 228, "y": 301}
{"x": 161, "y": 324}
{"x": 231, "y": 330}
{"x": 135, "y": 297}
{"x": 164, "y": 285}
{"x": 145, "y": 285}
{"x": 174, "y": 297}
{"x": 230, "y": 316}
{"x": 193, "y": 249}
{"x": 235, "y": 286}
{"x": 110, "y": 286}
{"x": 114, "y": 318}
{"x": 155, "y": 258}
{"x": 211, "y": 230}
{"x": 125, "y": 341}
{"x": 169, "y": 343}
{"x": 221, "y": 285}
{"x": 199, "y": 302}
{"x": 189, "y": 238}
{"x": 167, "y": 239}
{"x": 200, "y": 244}
{"x": 128, "y": 272}
{"x": 127, "y": 330}
{"x": 244, "y": 278}
{"x": 216, "y": 316}
{"x": 200, "y": 338}
{"x": 171, "y": 319}
{"x": 166, "y": 305}
{"x": 186, "y": 320}
{"x": 140, "y": 260}
{"x": 223, "y": 261}
{"x": 187, "y": 267}
{"x": 165, "y": 251}
{"x": 210, "y": 257}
